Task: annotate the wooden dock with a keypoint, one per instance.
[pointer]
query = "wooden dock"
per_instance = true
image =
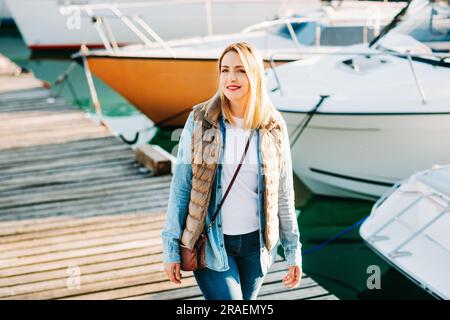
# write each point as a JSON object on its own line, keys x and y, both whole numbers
{"x": 79, "y": 217}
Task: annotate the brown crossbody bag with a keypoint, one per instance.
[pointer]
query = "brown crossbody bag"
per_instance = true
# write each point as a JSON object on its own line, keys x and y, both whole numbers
{"x": 194, "y": 259}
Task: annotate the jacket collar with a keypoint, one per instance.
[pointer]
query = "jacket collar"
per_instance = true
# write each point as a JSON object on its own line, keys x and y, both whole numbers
{"x": 213, "y": 110}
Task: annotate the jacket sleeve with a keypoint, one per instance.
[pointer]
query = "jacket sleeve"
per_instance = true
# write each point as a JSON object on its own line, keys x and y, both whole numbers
{"x": 179, "y": 196}
{"x": 289, "y": 232}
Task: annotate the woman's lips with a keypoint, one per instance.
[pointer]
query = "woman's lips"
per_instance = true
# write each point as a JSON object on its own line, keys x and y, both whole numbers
{"x": 233, "y": 88}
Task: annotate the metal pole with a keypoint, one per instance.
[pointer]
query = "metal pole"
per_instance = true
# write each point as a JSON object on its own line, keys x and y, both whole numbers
{"x": 90, "y": 81}
{"x": 418, "y": 85}
{"x": 98, "y": 24}
{"x": 131, "y": 26}
{"x": 155, "y": 36}
{"x": 293, "y": 35}
{"x": 396, "y": 253}
{"x": 110, "y": 35}
{"x": 209, "y": 17}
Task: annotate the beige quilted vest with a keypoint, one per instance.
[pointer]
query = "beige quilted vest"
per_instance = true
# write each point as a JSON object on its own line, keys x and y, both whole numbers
{"x": 205, "y": 151}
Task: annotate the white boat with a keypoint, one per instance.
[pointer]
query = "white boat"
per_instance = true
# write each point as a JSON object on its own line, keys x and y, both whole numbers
{"x": 409, "y": 227}
{"x": 374, "y": 114}
{"x": 55, "y": 24}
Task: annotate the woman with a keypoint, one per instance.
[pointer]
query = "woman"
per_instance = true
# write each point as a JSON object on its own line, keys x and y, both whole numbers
{"x": 259, "y": 208}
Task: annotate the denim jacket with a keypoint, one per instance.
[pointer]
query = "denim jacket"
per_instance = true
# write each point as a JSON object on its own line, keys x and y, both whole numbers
{"x": 216, "y": 257}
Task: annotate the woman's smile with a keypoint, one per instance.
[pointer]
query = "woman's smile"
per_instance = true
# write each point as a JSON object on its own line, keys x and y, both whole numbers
{"x": 233, "y": 87}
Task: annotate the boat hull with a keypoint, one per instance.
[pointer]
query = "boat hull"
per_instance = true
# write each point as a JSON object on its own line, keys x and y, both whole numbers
{"x": 363, "y": 155}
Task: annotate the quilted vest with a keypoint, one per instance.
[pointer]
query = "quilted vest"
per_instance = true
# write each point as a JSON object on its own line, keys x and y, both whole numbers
{"x": 205, "y": 151}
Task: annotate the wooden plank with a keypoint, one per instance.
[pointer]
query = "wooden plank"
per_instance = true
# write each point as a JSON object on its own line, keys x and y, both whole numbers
{"x": 13, "y": 109}
{"x": 46, "y": 119}
{"x": 50, "y": 139}
{"x": 70, "y": 192}
{"x": 151, "y": 205}
{"x": 33, "y": 128}
{"x": 99, "y": 203}
{"x": 34, "y": 225}
{"x": 61, "y": 272}
{"x": 21, "y": 82}
{"x": 30, "y": 238}
{"x": 126, "y": 236}
{"x": 51, "y": 207}
{"x": 79, "y": 252}
{"x": 18, "y": 158}
{"x": 23, "y": 95}
{"x": 27, "y": 96}
{"x": 131, "y": 290}
{"x": 152, "y": 270}
{"x": 71, "y": 146}
{"x": 64, "y": 169}
{"x": 43, "y": 267}
{"x": 18, "y": 246}
{"x": 56, "y": 188}
{"x": 13, "y": 183}
{"x": 108, "y": 288}
{"x": 72, "y": 162}
{"x": 152, "y": 158}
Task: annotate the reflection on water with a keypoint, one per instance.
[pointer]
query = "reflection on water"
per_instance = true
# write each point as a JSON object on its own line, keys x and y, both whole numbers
{"x": 340, "y": 267}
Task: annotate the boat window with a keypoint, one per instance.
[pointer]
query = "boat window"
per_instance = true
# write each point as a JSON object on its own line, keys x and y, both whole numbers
{"x": 304, "y": 31}
{"x": 329, "y": 35}
{"x": 430, "y": 26}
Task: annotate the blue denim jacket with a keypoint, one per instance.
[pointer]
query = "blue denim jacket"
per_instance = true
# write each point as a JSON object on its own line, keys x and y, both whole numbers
{"x": 216, "y": 257}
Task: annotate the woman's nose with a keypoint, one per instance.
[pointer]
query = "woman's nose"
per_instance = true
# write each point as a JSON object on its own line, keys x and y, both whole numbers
{"x": 232, "y": 76}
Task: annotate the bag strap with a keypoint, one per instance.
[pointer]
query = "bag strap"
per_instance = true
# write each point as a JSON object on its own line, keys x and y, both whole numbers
{"x": 231, "y": 182}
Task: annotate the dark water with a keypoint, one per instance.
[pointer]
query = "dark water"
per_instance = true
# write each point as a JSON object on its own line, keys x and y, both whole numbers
{"x": 340, "y": 267}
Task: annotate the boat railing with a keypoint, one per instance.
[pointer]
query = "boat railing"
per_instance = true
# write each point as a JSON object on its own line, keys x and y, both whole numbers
{"x": 137, "y": 25}
{"x": 142, "y": 30}
{"x": 407, "y": 55}
{"x": 288, "y": 21}
{"x": 133, "y": 22}
{"x": 396, "y": 252}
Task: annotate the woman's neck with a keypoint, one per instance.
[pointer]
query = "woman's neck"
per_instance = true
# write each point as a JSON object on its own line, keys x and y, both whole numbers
{"x": 237, "y": 109}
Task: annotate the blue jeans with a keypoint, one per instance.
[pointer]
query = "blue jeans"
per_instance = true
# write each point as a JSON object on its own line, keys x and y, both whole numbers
{"x": 243, "y": 280}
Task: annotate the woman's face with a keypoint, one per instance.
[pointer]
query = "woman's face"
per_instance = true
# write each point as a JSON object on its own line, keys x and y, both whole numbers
{"x": 233, "y": 78}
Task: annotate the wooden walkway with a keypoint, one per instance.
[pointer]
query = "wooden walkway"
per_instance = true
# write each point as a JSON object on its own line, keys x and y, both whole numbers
{"x": 79, "y": 218}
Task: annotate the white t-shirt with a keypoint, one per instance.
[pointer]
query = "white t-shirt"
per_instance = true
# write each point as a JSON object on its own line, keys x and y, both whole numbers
{"x": 240, "y": 209}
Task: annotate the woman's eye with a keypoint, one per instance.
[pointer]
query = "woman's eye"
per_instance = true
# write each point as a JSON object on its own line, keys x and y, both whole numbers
{"x": 224, "y": 70}
{"x": 242, "y": 71}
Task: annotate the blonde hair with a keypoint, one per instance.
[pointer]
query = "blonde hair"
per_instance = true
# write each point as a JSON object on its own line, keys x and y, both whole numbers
{"x": 259, "y": 108}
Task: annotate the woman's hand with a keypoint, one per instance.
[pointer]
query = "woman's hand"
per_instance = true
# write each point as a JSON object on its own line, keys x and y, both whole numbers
{"x": 293, "y": 277}
{"x": 173, "y": 272}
